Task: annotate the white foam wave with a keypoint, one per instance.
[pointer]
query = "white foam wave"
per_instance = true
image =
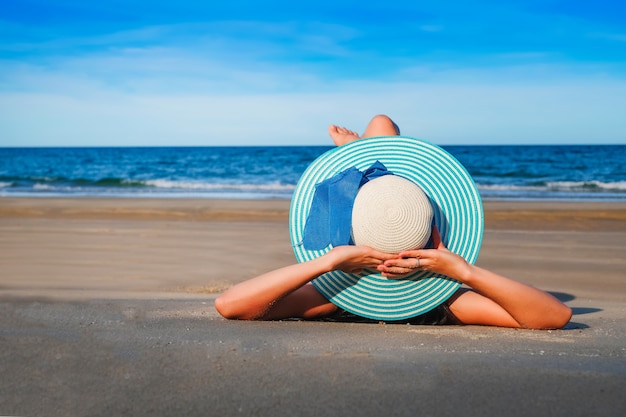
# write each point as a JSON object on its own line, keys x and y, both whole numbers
{"x": 55, "y": 188}
{"x": 587, "y": 186}
{"x": 43, "y": 187}
{"x": 577, "y": 185}
{"x": 5, "y": 184}
{"x": 188, "y": 185}
{"x": 502, "y": 187}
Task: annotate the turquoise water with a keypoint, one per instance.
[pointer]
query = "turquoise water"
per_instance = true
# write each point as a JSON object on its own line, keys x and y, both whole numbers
{"x": 577, "y": 172}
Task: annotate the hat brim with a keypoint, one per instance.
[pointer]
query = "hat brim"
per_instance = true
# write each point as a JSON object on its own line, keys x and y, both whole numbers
{"x": 458, "y": 214}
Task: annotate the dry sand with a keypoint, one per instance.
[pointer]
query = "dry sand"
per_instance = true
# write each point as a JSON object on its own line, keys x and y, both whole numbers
{"x": 106, "y": 308}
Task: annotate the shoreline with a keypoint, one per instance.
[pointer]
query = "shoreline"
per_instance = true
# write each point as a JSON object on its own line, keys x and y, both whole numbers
{"x": 499, "y": 214}
{"x": 137, "y": 248}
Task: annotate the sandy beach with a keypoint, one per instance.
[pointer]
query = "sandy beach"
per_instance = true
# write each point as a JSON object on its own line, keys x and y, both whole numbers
{"x": 107, "y": 309}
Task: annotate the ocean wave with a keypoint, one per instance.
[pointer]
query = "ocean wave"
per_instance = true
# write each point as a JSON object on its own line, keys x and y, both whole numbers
{"x": 588, "y": 185}
{"x": 118, "y": 182}
{"x": 508, "y": 187}
{"x": 5, "y": 184}
{"x": 106, "y": 182}
{"x": 556, "y": 186}
{"x": 157, "y": 187}
{"x": 191, "y": 185}
{"x": 45, "y": 187}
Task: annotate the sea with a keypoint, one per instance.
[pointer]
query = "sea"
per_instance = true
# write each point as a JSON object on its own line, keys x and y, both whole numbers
{"x": 524, "y": 172}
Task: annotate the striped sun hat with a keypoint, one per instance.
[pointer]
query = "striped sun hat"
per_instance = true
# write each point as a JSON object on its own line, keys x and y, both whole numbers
{"x": 457, "y": 213}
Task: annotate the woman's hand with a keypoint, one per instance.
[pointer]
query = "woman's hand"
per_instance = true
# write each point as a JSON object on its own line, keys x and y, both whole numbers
{"x": 353, "y": 259}
{"x": 439, "y": 260}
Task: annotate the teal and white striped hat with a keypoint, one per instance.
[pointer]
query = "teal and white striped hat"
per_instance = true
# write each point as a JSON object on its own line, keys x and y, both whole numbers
{"x": 457, "y": 213}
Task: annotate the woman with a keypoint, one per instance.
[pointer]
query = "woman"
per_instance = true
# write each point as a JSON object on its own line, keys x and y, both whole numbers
{"x": 491, "y": 299}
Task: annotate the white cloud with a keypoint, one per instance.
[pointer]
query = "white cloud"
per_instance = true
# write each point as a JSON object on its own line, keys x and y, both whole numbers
{"x": 247, "y": 83}
{"x": 575, "y": 112}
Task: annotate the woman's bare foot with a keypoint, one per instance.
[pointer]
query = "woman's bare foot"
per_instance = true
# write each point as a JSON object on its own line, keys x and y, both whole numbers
{"x": 341, "y": 135}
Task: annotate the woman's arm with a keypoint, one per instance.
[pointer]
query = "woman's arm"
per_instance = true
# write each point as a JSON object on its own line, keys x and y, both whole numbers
{"x": 283, "y": 293}
{"x": 495, "y": 299}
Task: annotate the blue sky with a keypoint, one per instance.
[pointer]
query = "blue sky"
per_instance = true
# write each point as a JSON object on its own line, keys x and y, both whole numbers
{"x": 159, "y": 73}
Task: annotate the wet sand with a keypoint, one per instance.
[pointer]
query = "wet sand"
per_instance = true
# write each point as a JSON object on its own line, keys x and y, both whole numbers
{"x": 106, "y": 308}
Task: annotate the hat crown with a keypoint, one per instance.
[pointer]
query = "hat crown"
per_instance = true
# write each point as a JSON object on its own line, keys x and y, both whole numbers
{"x": 391, "y": 214}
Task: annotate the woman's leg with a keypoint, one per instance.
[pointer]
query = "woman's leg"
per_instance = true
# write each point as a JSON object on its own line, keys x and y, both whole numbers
{"x": 380, "y": 125}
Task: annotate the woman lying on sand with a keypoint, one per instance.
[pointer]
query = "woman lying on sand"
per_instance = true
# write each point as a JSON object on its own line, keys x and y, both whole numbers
{"x": 491, "y": 299}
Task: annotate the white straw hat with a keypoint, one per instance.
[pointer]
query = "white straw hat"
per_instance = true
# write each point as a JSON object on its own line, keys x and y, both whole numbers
{"x": 456, "y": 211}
{"x": 391, "y": 214}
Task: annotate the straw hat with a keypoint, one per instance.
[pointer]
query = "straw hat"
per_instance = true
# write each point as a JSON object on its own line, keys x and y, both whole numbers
{"x": 393, "y": 213}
